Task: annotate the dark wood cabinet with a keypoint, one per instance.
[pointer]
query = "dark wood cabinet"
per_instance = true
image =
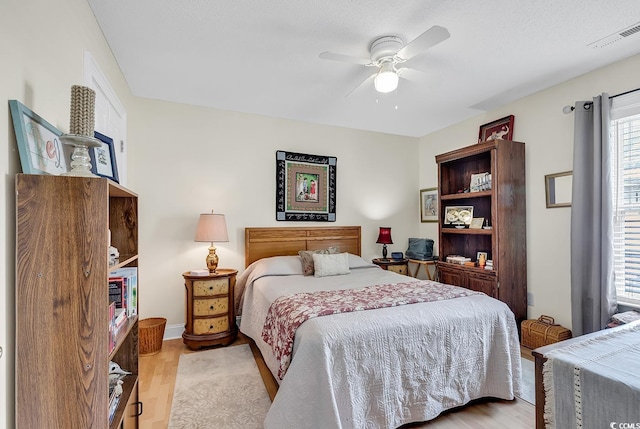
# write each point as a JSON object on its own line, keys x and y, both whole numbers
{"x": 469, "y": 277}
{"x": 503, "y": 207}
{"x": 63, "y": 344}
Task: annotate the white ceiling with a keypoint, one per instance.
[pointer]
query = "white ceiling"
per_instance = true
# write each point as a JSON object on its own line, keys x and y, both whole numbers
{"x": 262, "y": 56}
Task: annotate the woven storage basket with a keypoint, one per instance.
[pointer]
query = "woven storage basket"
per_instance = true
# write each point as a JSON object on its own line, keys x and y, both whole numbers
{"x": 151, "y": 332}
{"x": 542, "y": 332}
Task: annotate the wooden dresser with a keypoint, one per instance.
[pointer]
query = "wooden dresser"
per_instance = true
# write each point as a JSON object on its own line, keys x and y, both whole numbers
{"x": 210, "y": 309}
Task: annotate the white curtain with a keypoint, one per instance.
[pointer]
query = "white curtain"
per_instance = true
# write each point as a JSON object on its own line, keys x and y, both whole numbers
{"x": 592, "y": 281}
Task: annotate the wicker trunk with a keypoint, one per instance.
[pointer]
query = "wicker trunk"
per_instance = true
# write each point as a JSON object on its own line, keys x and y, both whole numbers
{"x": 541, "y": 332}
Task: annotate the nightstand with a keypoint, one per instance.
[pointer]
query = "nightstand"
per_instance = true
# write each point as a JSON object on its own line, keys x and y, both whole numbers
{"x": 396, "y": 265}
{"x": 210, "y": 311}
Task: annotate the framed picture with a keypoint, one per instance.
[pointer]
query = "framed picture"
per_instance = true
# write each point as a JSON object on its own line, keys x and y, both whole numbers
{"x": 103, "y": 158}
{"x": 485, "y": 254}
{"x": 39, "y": 145}
{"x": 502, "y": 129}
{"x": 305, "y": 187}
{"x": 429, "y": 205}
{"x": 476, "y": 223}
{"x": 480, "y": 182}
{"x": 459, "y": 216}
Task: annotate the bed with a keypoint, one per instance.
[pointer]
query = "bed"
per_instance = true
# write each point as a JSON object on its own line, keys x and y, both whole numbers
{"x": 377, "y": 368}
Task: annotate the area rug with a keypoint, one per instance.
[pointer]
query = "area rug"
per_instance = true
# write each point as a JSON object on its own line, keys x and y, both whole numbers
{"x": 219, "y": 388}
{"x": 222, "y": 388}
{"x": 528, "y": 381}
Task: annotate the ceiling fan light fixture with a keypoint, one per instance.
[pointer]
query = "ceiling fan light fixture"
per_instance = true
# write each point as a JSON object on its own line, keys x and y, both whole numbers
{"x": 387, "y": 79}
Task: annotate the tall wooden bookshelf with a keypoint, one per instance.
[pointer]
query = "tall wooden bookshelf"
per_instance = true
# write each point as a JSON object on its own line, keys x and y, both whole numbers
{"x": 503, "y": 206}
{"x": 62, "y": 302}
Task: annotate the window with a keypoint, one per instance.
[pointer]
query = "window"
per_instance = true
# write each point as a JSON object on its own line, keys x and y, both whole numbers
{"x": 625, "y": 139}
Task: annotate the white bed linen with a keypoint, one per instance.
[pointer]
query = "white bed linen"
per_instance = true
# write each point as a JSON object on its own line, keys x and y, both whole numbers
{"x": 386, "y": 367}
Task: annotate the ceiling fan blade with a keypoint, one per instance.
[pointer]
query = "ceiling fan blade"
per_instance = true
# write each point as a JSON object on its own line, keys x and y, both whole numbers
{"x": 362, "y": 84}
{"x": 413, "y": 75}
{"x": 426, "y": 40}
{"x": 345, "y": 58}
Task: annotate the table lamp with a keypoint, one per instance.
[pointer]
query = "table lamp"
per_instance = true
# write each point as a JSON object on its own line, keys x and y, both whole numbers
{"x": 384, "y": 238}
{"x": 211, "y": 228}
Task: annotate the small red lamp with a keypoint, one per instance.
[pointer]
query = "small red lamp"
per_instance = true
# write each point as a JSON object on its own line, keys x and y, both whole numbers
{"x": 384, "y": 238}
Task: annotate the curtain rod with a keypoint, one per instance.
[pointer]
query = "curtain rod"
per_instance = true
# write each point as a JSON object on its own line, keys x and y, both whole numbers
{"x": 569, "y": 109}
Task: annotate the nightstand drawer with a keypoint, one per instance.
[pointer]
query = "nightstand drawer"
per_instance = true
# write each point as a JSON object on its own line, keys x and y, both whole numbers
{"x": 400, "y": 269}
{"x": 210, "y": 326}
{"x": 211, "y": 287}
{"x": 210, "y": 307}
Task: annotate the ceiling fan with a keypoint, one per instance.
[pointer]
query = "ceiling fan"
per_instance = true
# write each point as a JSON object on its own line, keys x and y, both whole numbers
{"x": 387, "y": 52}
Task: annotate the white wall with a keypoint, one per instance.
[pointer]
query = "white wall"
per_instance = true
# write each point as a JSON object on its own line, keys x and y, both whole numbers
{"x": 41, "y": 46}
{"x": 188, "y": 160}
{"x": 548, "y": 134}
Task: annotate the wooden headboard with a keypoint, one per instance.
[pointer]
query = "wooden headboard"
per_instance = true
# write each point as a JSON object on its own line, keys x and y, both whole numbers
{"x": 282, "y": 241}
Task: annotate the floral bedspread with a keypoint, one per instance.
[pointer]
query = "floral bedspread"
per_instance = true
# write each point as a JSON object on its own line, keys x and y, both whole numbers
{"x": 287, "y": 313}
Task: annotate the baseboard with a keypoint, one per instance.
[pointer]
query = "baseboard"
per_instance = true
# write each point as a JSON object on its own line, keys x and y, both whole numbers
{"x": 172, "y": 332}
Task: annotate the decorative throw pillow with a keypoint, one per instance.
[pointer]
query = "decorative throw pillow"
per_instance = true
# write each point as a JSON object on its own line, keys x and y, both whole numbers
{"x": 307, "y": 258}
{"x": 330, "y": 264}
{"x": 420, "y": 248}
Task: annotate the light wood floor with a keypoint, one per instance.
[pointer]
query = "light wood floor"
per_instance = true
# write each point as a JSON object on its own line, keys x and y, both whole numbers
{"x": 158, "y": 374}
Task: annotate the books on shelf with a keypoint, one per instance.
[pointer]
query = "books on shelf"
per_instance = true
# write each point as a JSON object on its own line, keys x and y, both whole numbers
{"x": 115, "y": 393}
{"x": 118, "y": 321}
{"x": 116, "y": 291}
{"x": 457, "y": 259}
{"x": 112, "y": 316}
{"x": 123, "y": 301}
{"x": 113, "y": 406}
{"x": 125, "y": 280}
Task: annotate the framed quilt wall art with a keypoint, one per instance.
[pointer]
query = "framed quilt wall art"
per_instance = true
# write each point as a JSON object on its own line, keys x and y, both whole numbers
{"x": 305, "y": 187}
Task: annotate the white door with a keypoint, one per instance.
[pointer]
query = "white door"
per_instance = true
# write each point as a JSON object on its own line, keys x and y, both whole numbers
{"x": 111, "y": 118}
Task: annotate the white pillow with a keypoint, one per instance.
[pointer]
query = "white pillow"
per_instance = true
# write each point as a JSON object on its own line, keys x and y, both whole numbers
{"x": 356, "y": 261}
{"x": 330, "y": 265}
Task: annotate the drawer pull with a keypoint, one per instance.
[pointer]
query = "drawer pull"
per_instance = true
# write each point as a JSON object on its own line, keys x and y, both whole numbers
{"x": 210, "y": 326}
{"x": 211, "y": 307}
{"x": 210, "y": 287}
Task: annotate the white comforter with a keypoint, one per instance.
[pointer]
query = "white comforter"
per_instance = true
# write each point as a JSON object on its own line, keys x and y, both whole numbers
{"x": 380, "y": 368}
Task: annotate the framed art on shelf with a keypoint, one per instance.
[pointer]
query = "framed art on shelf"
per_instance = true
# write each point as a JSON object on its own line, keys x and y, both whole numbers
{"x": 501, "y": 129}
{"x": 459, "y": 216}
{"x": 305, "y": 187}
{"x": 39, "y": 145}
{"x": 103, "y": 158}
{"x": 429, "y": 205}
{"x": 476, "y": 223}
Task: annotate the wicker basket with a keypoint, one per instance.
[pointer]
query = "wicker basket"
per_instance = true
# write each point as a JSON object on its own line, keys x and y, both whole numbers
{"x": 542, "y": 332}
{"x": 151, "y": 332}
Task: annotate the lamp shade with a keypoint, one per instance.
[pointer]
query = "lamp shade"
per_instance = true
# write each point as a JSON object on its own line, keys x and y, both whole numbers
{"x": 212, "y": 228}
{"x": 384, "y": 236}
